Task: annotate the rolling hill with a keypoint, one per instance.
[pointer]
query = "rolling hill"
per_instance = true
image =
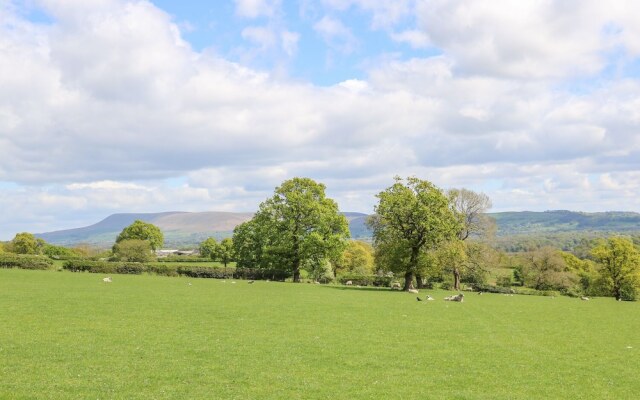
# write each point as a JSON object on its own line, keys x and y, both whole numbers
{"x": 190, "y": 228}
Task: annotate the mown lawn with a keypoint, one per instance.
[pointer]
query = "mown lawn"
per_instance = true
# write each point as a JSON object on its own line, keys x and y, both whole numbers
{"x": 70, "y": 336}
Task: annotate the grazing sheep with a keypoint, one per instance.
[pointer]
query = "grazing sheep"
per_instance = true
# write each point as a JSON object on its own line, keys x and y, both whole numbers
{"x": 316, "y": 282}
{"x": 414, "y": 291}
{"x": 348, "y": 283}
{"x": 107, "y": 279}
{"x": 585, "y": 298}
{"x": 429, "y": 298}
{"x": 479, "y": 293}
{"x": 251, "y": 281}
{"x": 396, "y": 286}
{"x": 458, "y": 298}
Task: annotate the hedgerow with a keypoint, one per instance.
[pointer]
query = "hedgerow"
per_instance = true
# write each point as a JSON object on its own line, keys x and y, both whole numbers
{"x": 25, "y": 261}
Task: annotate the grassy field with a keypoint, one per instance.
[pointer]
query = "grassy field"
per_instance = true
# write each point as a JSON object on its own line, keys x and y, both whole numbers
{"x": 70, "y": 336}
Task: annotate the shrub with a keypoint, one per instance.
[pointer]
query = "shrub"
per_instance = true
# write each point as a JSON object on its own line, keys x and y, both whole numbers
{"x": 367, "y": 280}
{"x": 24, "y": 261}
{"x": 261, "y": 274}
{"x": 493, "y": 289}
{"x": 162, "y": 269}
{"x": 504, "y": 281}
{"x": 628, "y": 292}
{"x": 104, "y": 267}
{"x": 201, "y": 272}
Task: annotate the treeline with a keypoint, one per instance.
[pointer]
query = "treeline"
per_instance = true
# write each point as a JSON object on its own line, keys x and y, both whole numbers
{"x": 422, "y": 237}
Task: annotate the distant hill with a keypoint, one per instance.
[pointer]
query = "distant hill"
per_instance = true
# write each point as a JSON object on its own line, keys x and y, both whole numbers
{"x": 190, "y": 228}
{"x": 179, "y": 228}
{"x": 528, "y": 222}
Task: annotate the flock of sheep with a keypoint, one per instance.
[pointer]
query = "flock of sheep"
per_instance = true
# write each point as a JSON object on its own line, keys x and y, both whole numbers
{"x": 394, "y": 286}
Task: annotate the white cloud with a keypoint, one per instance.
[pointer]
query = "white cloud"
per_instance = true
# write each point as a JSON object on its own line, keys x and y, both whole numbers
{"x": 414, "y": 38}
{"x": 257, "y": 8}
{"x": 336, "y": 34}
{"x": 108, "y": 102}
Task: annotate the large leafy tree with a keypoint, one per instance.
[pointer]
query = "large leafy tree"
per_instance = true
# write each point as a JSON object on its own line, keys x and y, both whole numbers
{"x": 142, "y": 231}
{"x": 225, "y": 252}
{"x": 357, "y": 258}
{"x": 133, "y": 250}
{"x": 26, "y": 243}
{"x": 208, "y": 247}
{"x": 412, "y": 217}
{"x": 619, "y": 263}
{"x": 296, "y": 226}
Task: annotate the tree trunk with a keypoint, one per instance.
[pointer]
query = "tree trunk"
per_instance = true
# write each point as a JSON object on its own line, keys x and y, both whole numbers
{"x": 456, "y": 279}
{"x": 419, "y": 282}
{"x": 408, "y": 281}
{"x": 296, "y": 270}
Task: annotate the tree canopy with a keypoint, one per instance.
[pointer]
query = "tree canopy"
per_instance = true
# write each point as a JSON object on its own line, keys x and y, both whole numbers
{"x": 142, "y": 231}
{"x": 619, "y": 263}
{"x": 26, "y": 243}
{"x": 411, "y": 217}
{"x": 296, "y": 226}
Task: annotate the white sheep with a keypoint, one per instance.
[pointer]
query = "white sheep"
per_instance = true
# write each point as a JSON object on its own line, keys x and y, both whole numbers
{"x": 107, "y": 279}
{"x": 348, "y": 283}
{"x": 396, "y": 286}
{"x": 585, "y": 298}
{"x": 458, "y": 298}
{"x": 429, "y": 298}
{"x": 414, "y": 291}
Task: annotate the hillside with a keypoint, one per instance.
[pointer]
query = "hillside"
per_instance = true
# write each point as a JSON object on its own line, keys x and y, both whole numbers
{"x": 190, "y": 228}
{"x": 179, "y": 228}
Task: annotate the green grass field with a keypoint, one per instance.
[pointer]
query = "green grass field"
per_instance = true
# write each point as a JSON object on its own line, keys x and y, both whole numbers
{"x": 71, "y": 336}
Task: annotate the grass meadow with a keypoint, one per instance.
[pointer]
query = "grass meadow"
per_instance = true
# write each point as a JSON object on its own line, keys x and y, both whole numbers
{"x": 71, "y": 336}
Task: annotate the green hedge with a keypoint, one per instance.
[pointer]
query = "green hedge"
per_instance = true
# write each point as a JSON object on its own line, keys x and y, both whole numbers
{"x": 261, "y": 274}
{"x": 104, "y": 267}
{"x": 367, "y": 280}
{"x": 189, "y": 259}
{"x": 24, "y": 261}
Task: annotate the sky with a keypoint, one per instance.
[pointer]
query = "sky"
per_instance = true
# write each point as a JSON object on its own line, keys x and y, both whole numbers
{"x": 111, "y": 106}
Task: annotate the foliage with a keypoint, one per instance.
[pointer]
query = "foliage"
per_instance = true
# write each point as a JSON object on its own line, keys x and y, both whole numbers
{"x": 545, "y": 269}
{"x": 208, "y": 248}
{"x": 367, "y": 280}
{"x": 225, "y": 252}
{"x": 261, "y": 274}
{"x": 133, "y": 250}
{"x": 60, "y": 252}
{"x": 141, "y": 230}
{"x": 24, "y": 261}
{"x": 320, "y": 270}
{"x": 471, "y": 208}
{"x": 104, "y": 267}
{"x": 298, "y": 224}
{"x": 412, "y": 217}
{"x": 619, "y": 266}
{"x": 26, "y": 243}
{"x": 202, "y": 272}
{"x": 452, "y": 257}
{"x": 356, "y": 259}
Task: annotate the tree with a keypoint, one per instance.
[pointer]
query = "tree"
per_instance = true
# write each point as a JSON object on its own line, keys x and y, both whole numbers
{"x": 411, "y": 218}
{"x": 25, "y": 243}
{"x": 619, "y": 263}
{"x": 471, "y": 208}
{"x": 142, "y": 231}
{"x": 133, "y": 250}
{"x": 357, "y": 258}
{"x": 545, "y": 269}
{"x": 299, "y": 223}
{"x": 209, "y": 247}
{"x": 452, "y": 257}
{"x": 225, "y": 252}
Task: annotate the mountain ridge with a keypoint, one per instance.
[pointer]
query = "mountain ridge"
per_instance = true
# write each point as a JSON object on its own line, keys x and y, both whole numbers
{"x": 183, "y": 228}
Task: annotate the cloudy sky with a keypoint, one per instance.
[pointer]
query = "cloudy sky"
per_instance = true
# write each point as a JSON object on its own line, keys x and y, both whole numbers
{"x": 144, "y": 106}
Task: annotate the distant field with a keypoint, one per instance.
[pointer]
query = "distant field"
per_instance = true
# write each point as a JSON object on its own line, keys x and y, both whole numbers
{"x": 70, "y": 336}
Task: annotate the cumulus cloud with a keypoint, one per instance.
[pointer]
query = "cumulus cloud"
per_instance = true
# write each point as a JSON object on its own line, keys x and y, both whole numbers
{"x": 102, "y": 107}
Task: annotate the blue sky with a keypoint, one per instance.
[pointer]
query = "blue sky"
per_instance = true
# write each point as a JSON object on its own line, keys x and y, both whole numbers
{"x": 135, "y": 106}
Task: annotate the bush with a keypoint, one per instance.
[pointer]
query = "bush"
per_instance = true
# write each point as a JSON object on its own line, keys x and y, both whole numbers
{"x": 24, "y": 261}
{"x": 162, "y": 269}
{"x": 628, "y": 292}
{"x": 504, "y": 281}
{"x": 493, "y": 289}
{"x": 104, "y": 267}
{"x": 261, "y": 274}
{"x": 367, "y": 280}
{"x": 201, "y": 272}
